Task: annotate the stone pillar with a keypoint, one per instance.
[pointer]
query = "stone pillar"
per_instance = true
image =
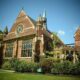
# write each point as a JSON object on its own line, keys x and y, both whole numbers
{"x": 14, "y": 49}
{"x": 42, "y": 46}
{"x": 19, "y": 48}
{"x": 4, "y": 50}
{"x": 33, "y": 48}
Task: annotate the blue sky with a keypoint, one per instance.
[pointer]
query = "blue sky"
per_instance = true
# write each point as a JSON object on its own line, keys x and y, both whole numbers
{"x": 63, "y": 16}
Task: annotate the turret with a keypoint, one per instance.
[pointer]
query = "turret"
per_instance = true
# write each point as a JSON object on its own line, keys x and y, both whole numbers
{"x": 39, "y": 25}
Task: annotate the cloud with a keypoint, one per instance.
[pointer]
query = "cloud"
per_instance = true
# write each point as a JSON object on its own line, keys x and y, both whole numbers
{"x": 61, "y": 32}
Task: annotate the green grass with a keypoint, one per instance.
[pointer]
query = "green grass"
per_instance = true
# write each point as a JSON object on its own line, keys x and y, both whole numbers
{"x": 8, "y": 75}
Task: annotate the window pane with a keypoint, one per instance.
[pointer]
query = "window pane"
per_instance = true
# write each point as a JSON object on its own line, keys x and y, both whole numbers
{"x": 26, "y": 48}
{"x": 9, "y": 49}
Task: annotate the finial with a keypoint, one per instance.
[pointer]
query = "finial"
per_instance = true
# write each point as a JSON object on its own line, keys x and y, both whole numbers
{"x": 44, "y": 13}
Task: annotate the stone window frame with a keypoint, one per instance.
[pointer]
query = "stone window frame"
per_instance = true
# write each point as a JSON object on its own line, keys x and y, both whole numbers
{"x": 9, "y": 49}
{"x": 26, "y": 50}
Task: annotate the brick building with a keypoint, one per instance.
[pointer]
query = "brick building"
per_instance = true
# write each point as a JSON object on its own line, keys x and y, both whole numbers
{"x": 27, "y": 38}
{"x": 77, "y": 39}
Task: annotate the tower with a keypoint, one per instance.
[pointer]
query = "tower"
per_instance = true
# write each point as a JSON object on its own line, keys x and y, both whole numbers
{"x": 39, "y": 26}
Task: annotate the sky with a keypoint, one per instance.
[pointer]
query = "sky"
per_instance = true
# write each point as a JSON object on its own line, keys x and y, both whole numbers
{"x": 63, "y": 16}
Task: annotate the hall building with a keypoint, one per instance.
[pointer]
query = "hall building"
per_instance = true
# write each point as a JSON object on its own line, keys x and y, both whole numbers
{"x": 28, "y": 38}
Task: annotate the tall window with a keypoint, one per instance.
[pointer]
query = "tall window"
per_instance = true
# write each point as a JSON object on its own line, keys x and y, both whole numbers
{"x": 26, "y": 48}
{"x": 9, "y": 49}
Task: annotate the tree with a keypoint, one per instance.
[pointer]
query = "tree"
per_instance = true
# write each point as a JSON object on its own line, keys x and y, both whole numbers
{"x": 5, "y": 30}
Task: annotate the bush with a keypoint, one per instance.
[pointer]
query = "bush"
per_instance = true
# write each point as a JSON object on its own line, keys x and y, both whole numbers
{"x": 14, "y": 62}
{"x": 23, "y": 66}
{"x": 46, "y": 65}
{"x": 20, "y": 66}
{"x": 62, "y": 68}
{"x": 78, "y": 68}
{"x": 6, "y": 65}
{"x": 66, "y": 67}
{"x": 57, "y": 68}
{"x": 33, "y": 66}
{"x": 75, "y": 69}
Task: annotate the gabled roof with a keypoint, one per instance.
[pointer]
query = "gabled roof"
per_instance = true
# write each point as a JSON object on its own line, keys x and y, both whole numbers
{"x": 28, "y": 26}
{"x": 21, "y": 14}
{"x": 23, "y": 18}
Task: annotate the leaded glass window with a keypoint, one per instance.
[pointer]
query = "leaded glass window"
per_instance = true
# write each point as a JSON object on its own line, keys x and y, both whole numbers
{"x": 26, "y": 48}
{"x": 9, "y": 49}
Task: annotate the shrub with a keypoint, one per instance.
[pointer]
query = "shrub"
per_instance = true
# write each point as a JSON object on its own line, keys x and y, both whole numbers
{"x": 23, "y": 66}
{"x": 75, "y": 69}
{"x": 14, "y": 62}
{"x": 6, "y": 65}
{"x": 57, "y": 68}
{"x": 33, "y": 66}
{"x": 20, "y": 66}
{"x": 66, "y": 67}
{"x": 62, "y": 68}
{"x": 78, "y": 68}
{"x": 46, "y": 65}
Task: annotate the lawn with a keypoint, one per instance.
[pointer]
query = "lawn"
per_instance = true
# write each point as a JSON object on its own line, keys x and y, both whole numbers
{"x": 9, "y": 75}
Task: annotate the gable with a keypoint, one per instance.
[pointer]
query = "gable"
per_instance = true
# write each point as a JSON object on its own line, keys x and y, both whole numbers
{"x": 23, "y": 26}
{"x": 23, "y": 19}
